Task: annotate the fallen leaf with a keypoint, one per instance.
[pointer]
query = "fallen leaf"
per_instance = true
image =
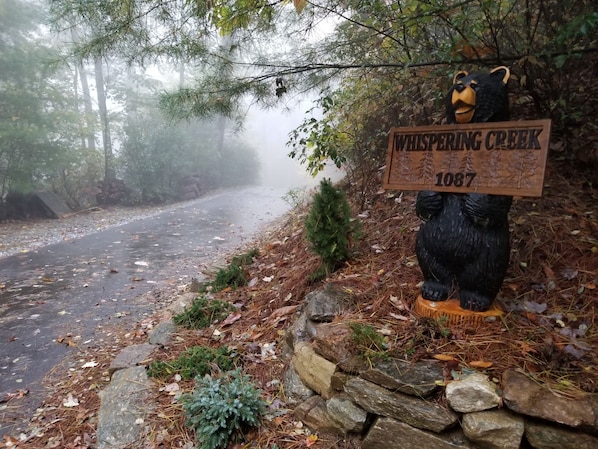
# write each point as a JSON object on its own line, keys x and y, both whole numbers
{"x": 444, "y": 357}
{"x": 70, "y": 401}
{"x": 569, "y": 273}
{"x": 398, "y": 303}
{"x": 548, "y": 271}
{"x": 526, "y": 347}
{"x": 530, "y": 316}
{"x": 480, "y": 364}
{"x": 582, "y": 345}
{"x": 53, "y": 442}
{"x": 399, "y": 317}
{"x": 286, "y": 310}
{"x": 235, "y": 316}
{"x": 311, "y": 440}
{"x": 66, "y": 340}
{"x": 9, "y": 396}
{"x": 9, "y": 441}
{"x": 571, "y": 350}
{"x": 172, "y": 389}
{"x": 268, "y": 350}
{"x": 279, "y": 420}
{"x": 281, "y": 314}
{"x": 532, "y": 306}
{"x": 91, "y": 364}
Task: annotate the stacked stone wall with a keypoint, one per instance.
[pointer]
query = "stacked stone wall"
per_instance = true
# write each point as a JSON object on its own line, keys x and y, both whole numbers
{"x": 396, "y": 404}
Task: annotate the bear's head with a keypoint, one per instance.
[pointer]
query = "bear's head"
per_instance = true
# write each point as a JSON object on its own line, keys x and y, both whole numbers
{"x": 479, "y": 97}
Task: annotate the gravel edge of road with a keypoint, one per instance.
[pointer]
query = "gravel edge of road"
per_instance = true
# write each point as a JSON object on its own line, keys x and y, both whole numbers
{"x": 27, "y": 235}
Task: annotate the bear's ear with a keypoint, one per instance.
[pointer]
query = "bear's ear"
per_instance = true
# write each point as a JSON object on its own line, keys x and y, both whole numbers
{"x": 459, "y": 75}
{"x": 502, "y": 72}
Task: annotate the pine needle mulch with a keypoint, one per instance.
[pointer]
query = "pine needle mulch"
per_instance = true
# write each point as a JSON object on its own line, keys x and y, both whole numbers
{"x": 549, "y": 330}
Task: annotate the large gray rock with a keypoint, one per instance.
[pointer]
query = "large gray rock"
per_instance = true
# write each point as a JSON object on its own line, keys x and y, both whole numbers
{"x": 339, "y": 380}
{"x": 494, "y": 429}
{"x": 131, "y": 356}
{"x": 123, "y": 409}
{"x": 295, "y": 390}
{"x": 161, "y": 335}
{"x": 418, "y": 379}
{"x": 543, "y": 436}
{"x": 408, "y": 409}
{"x": 314, "y": 414}
{"x": 527, "y": 397}
{"x": 181, "y": 303}
{"x": 334, "y": 342}
{"x": 346, "y": 414}
{"x": 388, "y": 433}
{"x": 325, "y": 304}
{"x": 473, "y": 393}
{"x": 315, "y": 371}
{"x": 297, "y": 332}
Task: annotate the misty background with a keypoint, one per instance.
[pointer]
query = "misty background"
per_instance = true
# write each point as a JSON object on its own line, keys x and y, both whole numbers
{"x": 99, "y": 130}
{"x": 268, "y": 132}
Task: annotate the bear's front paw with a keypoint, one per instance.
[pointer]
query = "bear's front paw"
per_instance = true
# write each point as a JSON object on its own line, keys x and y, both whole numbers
{"x": 428, "y": 204}
{"x": 474, "y": 301}
{"x": 434, "y": 291}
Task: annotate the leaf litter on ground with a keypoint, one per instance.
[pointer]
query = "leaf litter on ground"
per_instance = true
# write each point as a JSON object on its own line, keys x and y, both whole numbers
{"x": 549, "y": 328}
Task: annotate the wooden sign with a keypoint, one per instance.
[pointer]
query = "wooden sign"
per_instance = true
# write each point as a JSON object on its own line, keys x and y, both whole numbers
{"x": 502, "y": 158}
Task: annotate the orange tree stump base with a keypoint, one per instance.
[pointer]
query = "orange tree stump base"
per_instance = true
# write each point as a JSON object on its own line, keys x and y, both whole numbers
{"x": 454, "y": 313}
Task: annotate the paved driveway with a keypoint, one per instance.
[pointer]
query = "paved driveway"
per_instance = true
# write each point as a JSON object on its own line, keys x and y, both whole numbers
{"x": 72, "y": 289}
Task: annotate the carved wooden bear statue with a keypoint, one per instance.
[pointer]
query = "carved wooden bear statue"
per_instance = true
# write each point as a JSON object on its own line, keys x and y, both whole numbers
{"x": 463, "y": 244}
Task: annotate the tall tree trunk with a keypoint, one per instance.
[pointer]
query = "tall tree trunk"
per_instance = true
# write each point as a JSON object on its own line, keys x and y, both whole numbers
{"x": 89, "y": 115}
{"x": 76, "y": 90}
{"x": 109, "y": 173}
{"x": 87, "y": 105}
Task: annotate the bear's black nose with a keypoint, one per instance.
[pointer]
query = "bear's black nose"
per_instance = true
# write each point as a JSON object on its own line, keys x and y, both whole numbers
{"x": 460, "y": 87}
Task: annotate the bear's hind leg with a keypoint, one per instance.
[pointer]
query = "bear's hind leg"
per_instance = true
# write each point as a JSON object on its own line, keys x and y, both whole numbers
{"x": 437, "y": 279}
{"x": 478, "y": 288}
{"x": 473, "y": 300}
{"x": 479, "y": 281}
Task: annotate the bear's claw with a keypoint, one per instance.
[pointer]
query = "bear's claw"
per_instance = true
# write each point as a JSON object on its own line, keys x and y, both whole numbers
{"x": 474, "y": 301}
{"x": 434, "y": 291}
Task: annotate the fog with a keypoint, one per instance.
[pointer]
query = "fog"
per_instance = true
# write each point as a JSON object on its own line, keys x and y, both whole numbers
{"x": 268, "y": 132}
{"x": 113, "y": 144}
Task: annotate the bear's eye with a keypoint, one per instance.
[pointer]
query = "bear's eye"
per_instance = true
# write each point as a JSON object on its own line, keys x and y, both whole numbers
{"x": 474, "y": 85}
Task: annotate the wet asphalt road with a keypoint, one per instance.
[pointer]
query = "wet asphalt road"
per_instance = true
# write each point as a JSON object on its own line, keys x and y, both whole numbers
{"x": 76, "y": 287}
